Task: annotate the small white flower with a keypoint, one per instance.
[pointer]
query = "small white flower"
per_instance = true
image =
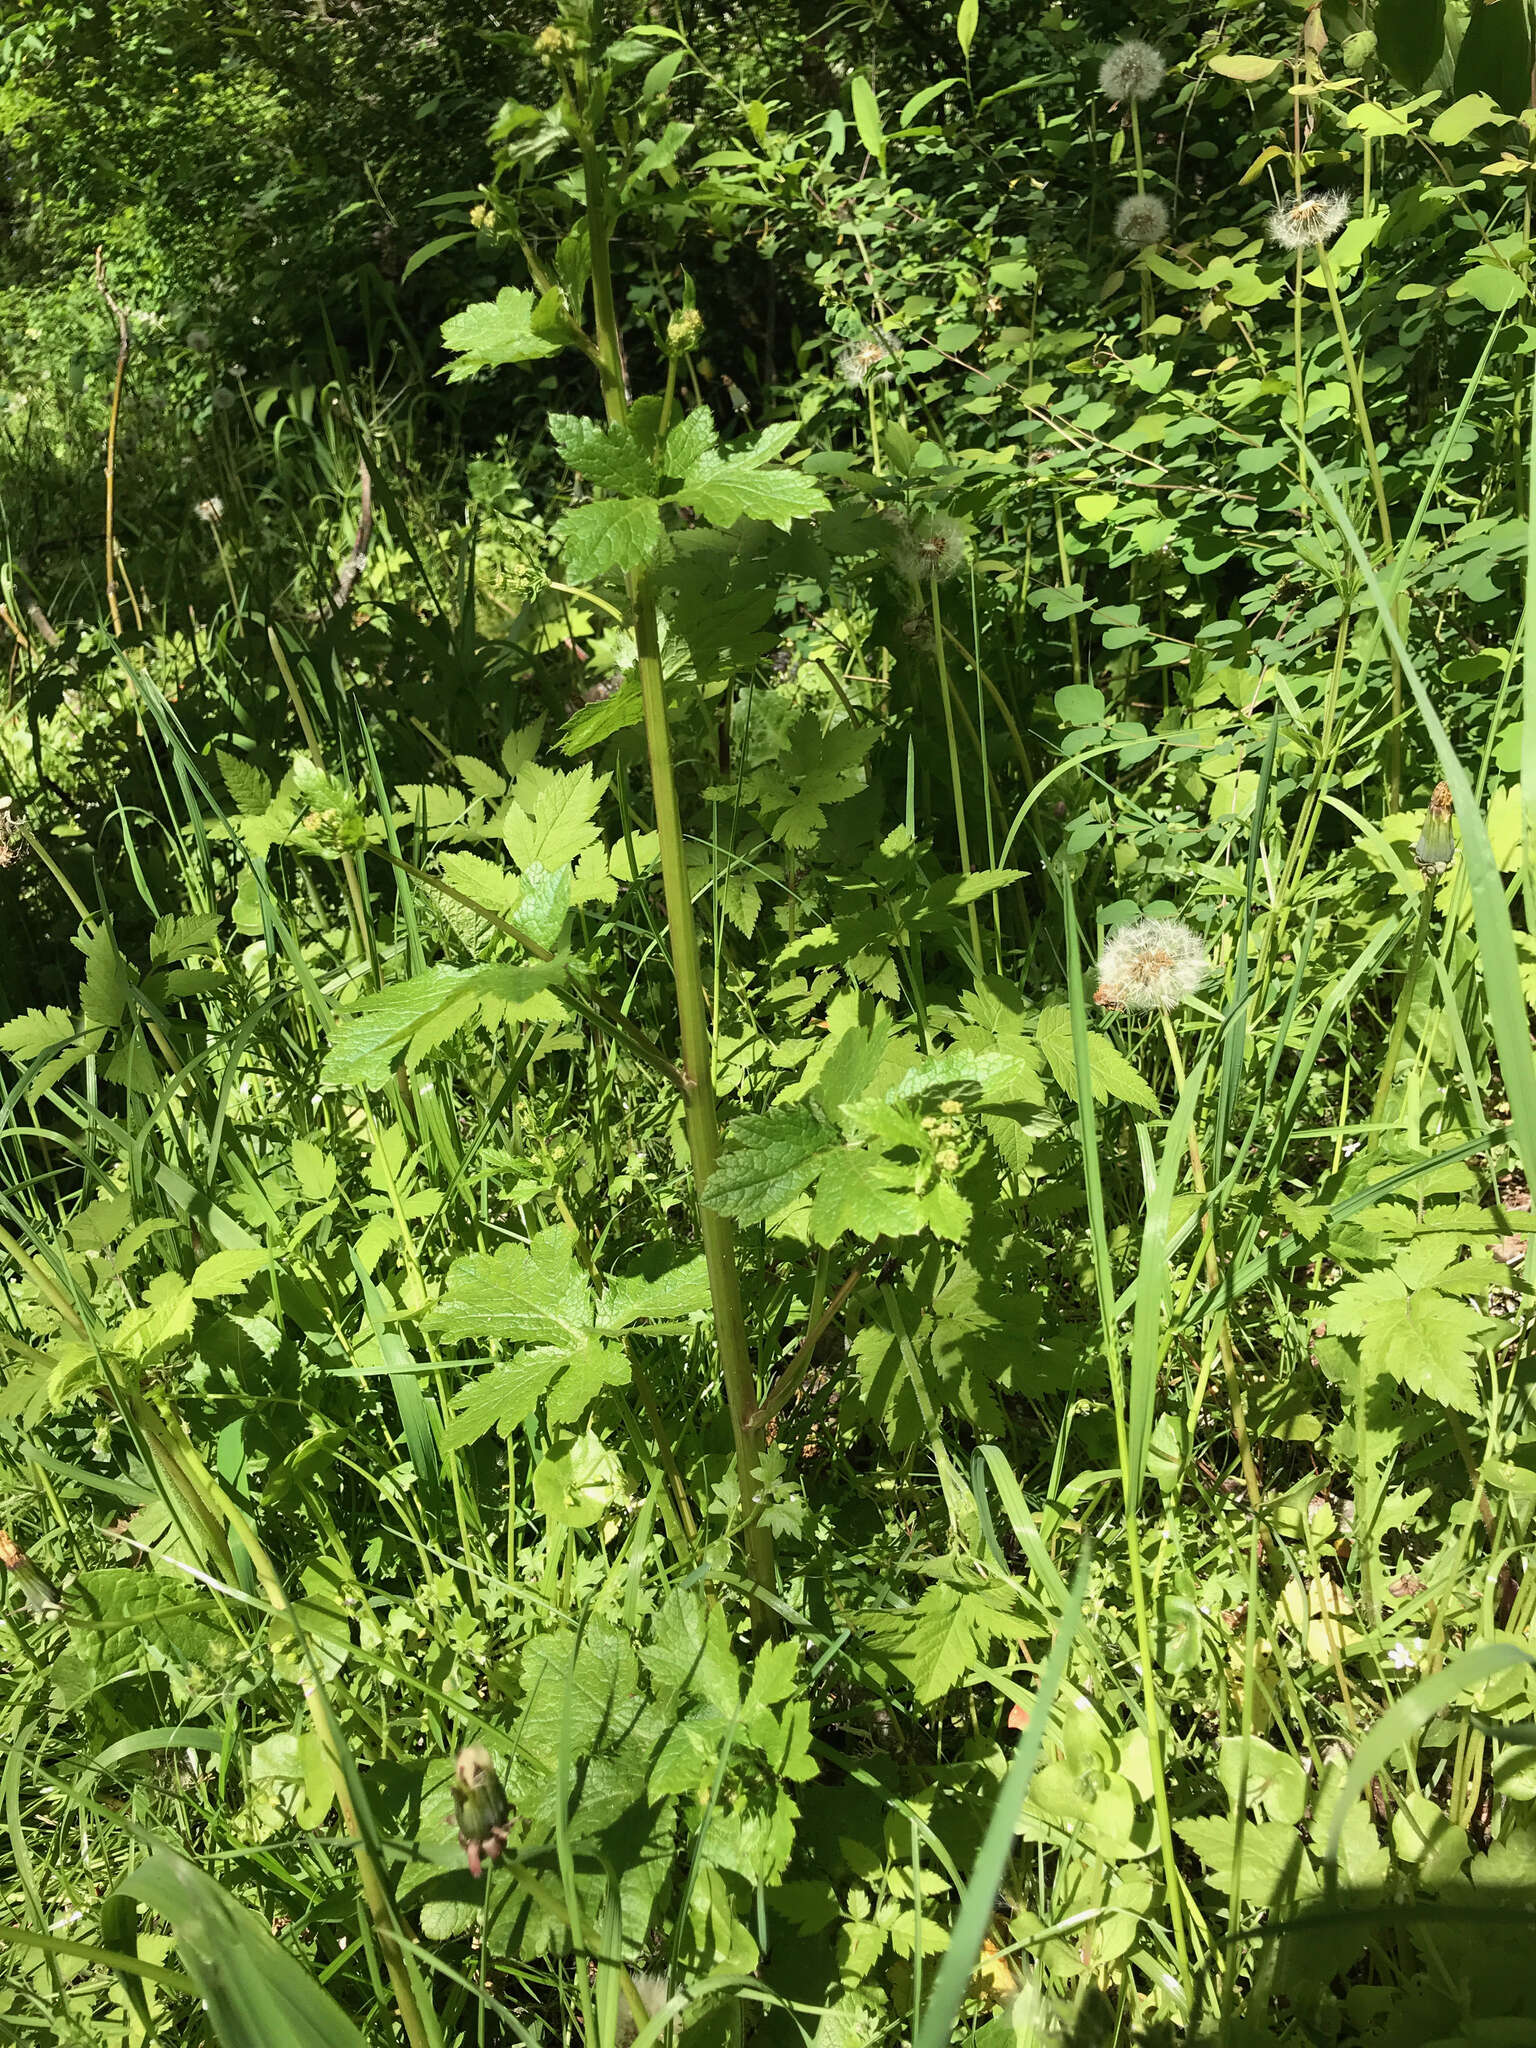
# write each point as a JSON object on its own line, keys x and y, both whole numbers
{"x": 1309, "y": 220}
{"x": 1405, "y": 1656}
{"x": 1154, "y": 964}
{"x": 1141, "y": 221}
{"x": 1133, "y": 70}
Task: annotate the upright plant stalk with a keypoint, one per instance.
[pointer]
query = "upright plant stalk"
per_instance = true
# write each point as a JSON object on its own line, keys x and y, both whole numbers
{"x": 701, "y": 1122}
{"x": 1141, "y": 186}
{"x": 1400, "y": 1020}
{"x": 1135, "y": 1569}
{"x": 1213, "y": 1282}
{"x": 121, "y": 319}
{"x": 1384, "y": 517}
{"x": 956, "y": 781}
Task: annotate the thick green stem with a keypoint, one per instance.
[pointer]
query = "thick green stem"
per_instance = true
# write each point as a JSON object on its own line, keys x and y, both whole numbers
{"x": 700, "y": 1119}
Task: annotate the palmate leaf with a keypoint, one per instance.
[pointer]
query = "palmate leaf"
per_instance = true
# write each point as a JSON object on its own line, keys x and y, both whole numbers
{"x": 1422, "y": 1338}
{"x": 609, "y": 456}
{"x": 612, "y": 534}
{"x": 768, "y": 1161}
{"x": 254, "y": 1992}
{"x": 537, "y": 1297}
{"x": 1111, "y": 1072}
{"x": 495, "y": 331}
{"x": 525, "y": 1294}
{"x": 862, "y": 1192}
{"x": 35, "y": 1033}
{"x": 935, "y": 1643}
{"x": 723, "y": 489}
{"x": 406, "y": 1021}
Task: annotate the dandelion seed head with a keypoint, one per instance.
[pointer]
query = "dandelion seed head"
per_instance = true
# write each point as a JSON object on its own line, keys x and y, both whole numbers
{"x": 210, "y": 510}
{"x": 1308, "y": 220}
{"x": 198, "y": 341}
{"x": 652, "y": 1992}
{"x": 931, "y": 546}
{"x": 860, "y": 360}
{"x": 1133, "y": 70}
{"x": 1157, "y": 963}
{"x": 1141, "y": 221}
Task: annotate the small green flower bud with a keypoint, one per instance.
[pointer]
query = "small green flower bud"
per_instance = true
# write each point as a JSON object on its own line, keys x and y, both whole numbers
{"x": 685, "y": 330}
{"x": 479, "y": 1807}
{"x": 554, "y": 44}
{"x": 1435, "y": 847}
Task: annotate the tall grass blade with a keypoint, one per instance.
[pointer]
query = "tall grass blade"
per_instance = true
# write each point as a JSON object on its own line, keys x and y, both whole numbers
{"x": 255, "y": 1994}
{"x": 1507, "y": 1014}
{"x": 980, "y": 1898}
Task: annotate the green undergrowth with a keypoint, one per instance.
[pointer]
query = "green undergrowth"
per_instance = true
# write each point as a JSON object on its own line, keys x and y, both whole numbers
{"x": 767, "y": 1087}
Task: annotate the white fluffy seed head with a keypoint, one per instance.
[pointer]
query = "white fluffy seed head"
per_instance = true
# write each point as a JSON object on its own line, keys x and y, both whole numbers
{"x": 653, "y": 1996}
{"x": 860, "y": 360}
{"x": 1157, "y": 963}
{"x": 931, "y": 546}
{"x": 1310, "y": 219}
{"x": 1141, "y": 221}
{"x": 1133, "y": 70}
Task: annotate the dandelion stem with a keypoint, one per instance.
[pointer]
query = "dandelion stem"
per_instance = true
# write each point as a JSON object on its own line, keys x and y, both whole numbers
{"x": 1141, "y": 186}
{"x": 1368, "y": 443}
{"x": 954, "y": 763}
{"x": 1213, "y": 1282}
{"x": 1400, "y": 1016}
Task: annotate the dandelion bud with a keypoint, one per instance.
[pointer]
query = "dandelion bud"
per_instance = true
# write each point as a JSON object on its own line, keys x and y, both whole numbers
{"x": 41, "y": 1596}
{"x": 1133, "y": 70}
{"x": 479, "y": 1807}
{"x": 1309, "y": 220}
{"x": 1435, "y": 848}
{"x": 1155, "y": 964}
{"x": 1141, "y": 221}
{"x": 685, "y": 330}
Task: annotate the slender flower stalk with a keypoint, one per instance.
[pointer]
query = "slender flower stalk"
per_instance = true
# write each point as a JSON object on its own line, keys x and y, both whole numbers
{"x": 1132, "y": 72}
{"x": 956, "y": 783}
{"x": 1309, "y": 221}
{"x": 1157, "y": 964}
{"x": 1433, "y": 853}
